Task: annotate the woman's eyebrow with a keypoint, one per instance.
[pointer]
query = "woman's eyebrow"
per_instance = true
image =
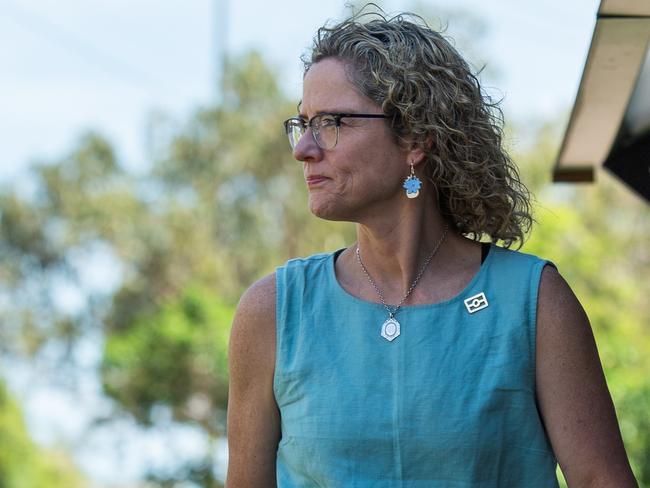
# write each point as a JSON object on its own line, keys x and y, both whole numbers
{"x": 337, "y": 111}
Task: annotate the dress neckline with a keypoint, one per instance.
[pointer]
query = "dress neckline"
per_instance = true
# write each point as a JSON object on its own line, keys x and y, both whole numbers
{"x": 464, "y": 293}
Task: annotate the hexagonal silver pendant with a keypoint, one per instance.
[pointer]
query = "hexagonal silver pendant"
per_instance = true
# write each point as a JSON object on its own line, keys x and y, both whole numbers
{"x": 390, "y": 329}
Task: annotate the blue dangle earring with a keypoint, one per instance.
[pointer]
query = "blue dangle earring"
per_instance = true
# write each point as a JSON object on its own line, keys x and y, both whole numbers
{"x": 412, "y": 184}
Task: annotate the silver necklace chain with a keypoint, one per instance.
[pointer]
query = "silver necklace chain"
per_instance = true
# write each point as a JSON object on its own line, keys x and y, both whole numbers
{"x": 392, "y": 312}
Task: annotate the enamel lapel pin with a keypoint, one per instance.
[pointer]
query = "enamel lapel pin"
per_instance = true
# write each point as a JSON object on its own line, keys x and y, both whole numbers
{"x": 476, "y": 303}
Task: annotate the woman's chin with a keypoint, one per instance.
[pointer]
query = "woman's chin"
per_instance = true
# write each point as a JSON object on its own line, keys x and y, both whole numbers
{"x": 321, "y": 212}
{"x": 326, "y": 210}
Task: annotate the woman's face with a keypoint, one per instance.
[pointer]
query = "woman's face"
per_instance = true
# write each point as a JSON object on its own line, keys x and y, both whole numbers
{"x": 362, "y": 175}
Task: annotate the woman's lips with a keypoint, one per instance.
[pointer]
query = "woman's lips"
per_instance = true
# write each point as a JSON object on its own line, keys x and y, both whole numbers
{"x": 315, "y": 180}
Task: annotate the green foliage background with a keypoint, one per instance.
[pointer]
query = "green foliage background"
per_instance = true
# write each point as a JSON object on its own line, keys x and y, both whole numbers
{"x": 22, "y": 463}
{"x": 221, "y": 205}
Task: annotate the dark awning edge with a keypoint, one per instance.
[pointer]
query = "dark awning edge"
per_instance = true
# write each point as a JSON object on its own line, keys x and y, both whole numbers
{"x": 576, "y": 174}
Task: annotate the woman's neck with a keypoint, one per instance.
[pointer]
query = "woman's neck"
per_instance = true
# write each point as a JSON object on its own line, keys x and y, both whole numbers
{"x": 395, "y": 249}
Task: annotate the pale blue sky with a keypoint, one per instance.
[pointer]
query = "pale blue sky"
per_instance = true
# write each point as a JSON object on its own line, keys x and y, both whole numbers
{"x": 70, "y": 65}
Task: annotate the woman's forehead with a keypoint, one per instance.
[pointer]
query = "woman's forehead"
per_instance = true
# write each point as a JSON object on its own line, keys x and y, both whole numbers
{"x": 327, "y": 88}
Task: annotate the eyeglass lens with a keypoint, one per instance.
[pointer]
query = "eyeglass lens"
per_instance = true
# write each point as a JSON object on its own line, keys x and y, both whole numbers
{"x": 324, "y": 130}
{"x": 295, "y": 130}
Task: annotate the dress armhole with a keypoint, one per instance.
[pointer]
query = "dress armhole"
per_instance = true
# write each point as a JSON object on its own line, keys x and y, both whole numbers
{"x": 280, "y": 312}
{"x": 485, "y": 250}
{"x": 536, "y": 280}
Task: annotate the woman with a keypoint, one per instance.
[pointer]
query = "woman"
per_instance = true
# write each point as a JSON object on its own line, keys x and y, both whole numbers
{"x": 417, "y": 357}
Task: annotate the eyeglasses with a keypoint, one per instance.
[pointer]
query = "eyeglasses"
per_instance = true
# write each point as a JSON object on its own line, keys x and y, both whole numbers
{"x": 324, "y": 128}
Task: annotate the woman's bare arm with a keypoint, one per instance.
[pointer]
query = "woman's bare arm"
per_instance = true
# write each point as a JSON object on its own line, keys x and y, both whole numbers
{"x": 574, "y": 401}
{"x": 253, "y": 416}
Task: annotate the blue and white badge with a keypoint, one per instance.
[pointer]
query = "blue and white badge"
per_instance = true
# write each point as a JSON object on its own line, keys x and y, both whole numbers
{"x": 476, "y": 303}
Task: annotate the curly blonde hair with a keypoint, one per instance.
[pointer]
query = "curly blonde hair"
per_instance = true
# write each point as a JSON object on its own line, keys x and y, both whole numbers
{"x": 433, "y": 100}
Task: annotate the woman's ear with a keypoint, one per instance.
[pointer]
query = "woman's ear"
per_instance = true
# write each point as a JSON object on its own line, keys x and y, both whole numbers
{"x": 416, "y": 155}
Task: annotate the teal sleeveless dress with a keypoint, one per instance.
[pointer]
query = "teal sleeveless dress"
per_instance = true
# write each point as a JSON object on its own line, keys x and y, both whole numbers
{"x": 450, "y": 402}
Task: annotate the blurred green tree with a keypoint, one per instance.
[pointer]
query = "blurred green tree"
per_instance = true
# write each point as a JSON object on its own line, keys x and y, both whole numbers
{"x": 22, "y": 463}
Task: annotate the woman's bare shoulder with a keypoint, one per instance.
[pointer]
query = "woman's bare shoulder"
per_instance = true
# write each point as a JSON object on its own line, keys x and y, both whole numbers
{"x": 573, "y": 397}
{"x": 254, "y": 321}
{"x": 251, "y": 355}
{"x": 258, "y": 302}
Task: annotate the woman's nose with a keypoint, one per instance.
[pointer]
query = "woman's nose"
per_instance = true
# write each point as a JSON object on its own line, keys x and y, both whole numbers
{"x": 307, "y": 150}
